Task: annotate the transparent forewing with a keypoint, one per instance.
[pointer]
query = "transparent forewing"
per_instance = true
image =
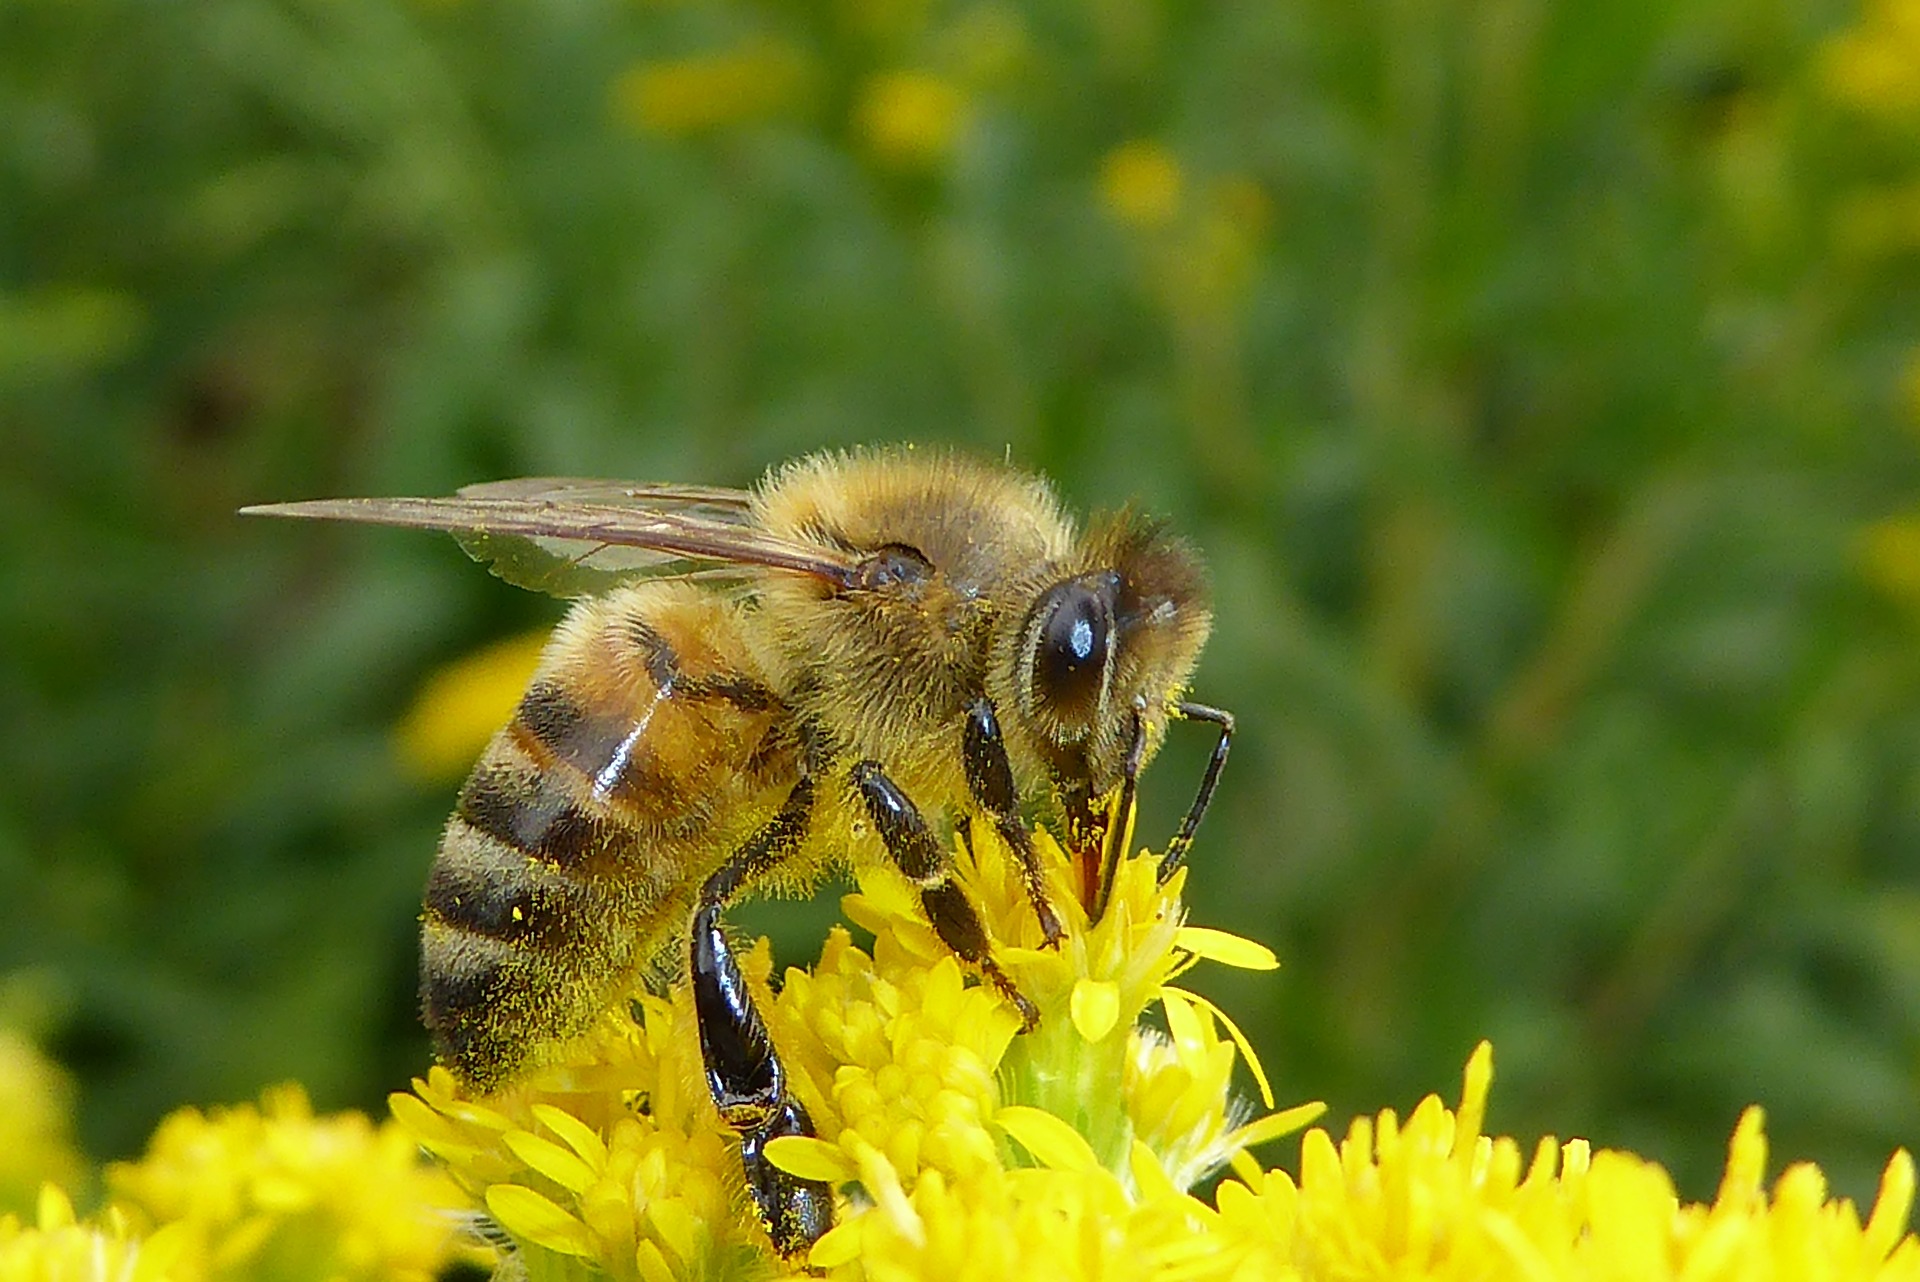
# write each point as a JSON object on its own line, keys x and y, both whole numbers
{"x": 715, "y": 502}
{"x": 571, "y": 569}
{"x": 571, "y": 548}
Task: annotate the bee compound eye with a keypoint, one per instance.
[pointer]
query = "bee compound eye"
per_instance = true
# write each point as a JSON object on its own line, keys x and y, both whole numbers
{"x": 1072, "y": 638}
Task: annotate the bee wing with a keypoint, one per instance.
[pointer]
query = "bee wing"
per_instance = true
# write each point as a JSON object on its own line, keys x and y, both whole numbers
{"x": 542, "y": 534}
{"x": 718, "y": 502}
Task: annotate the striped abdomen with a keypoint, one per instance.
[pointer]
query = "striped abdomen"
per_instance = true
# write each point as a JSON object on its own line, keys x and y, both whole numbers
{"x": 647, "y": 746}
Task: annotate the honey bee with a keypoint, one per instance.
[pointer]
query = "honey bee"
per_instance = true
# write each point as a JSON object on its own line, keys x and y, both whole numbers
{"x": 868, "y": 653}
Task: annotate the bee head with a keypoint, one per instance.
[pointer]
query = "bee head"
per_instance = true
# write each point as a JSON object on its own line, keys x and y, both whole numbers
{"x": 1113, "y": 637}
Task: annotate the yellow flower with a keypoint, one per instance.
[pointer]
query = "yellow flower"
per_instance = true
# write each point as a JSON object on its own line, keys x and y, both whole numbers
{"x": 1142, "y": 184}
{"x": 1874, "y": 66}
{"x": 709, "y": 91}
{"x": 923, "y": 1098}
{"x": 58, "y": 1248}
{"x": 461, "y": 706}
{"x": 910, "y": 119}
{"x": 963, "y": 1149}
{"x": 920, "y": 1092}
{"x": 36, "y": 1134}
{"x": 1889, "y": 557}
{"x": 614, "y": 1159}
{"x": 1435, "y": 1198}
{"x": 1200, "y": 243}
{"x": 276, "y": 1193}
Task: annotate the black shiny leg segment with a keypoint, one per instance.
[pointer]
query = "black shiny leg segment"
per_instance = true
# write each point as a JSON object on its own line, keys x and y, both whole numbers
{"x": 1183, "y": 837}
{"x": 919, "y": 854}
{"x": 990, "y": 780}
{"x": 797, "y": 1212}
{"x": 744, "y": 1074}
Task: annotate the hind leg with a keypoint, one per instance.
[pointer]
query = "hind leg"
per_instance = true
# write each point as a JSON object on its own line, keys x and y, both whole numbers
{"x": 744, "y": 1074}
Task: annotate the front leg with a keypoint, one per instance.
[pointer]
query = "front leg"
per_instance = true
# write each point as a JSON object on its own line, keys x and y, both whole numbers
{"x": 919, "y": 854}
{"x": 744, "y": 1074}
{"x": 990, "y": 780}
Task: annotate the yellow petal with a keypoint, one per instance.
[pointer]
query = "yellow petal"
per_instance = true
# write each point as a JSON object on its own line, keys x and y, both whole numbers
{"x": 840, "y": 1245}
{"x": 579, "y": 1137}
{"x": 1053, "y": 1143}
{"x": 811, "y": 1159}
{"x": 1148, "y": 1175}
{"x": 1275, "y": 1125}
{"x": 55, "y": 1209}
{"x": 652, "y": 1265}
{"x": 1233, "y": 1031}
{"x": 1477, "y": 1083}
{"x": 674, "y": 1221}
{"x": 162, "y": 1253}
{"x": 1888, "y": 1223}
{"x": 551, "y": 1160}
{"x": 1095, "y": 1007}
{"x": 420, "y": 1119}
{"x": 526, "y": 1214}
{"x": 1225, "y": 948}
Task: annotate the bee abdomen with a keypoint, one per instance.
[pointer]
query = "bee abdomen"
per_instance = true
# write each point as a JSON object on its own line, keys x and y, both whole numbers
{"x": 649, "y": 744}
{"x": 521, "y": 921}
{"x": 484, "y": 887}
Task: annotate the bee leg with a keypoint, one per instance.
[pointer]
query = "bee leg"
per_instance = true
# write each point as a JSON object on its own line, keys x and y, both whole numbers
{"x": 1117, "y": 832}
{"x": 744, "y": 1074}
{"x": 919, "y": 855}
{"x": 1183, "y": 837}
{"x": 990, "y": 780}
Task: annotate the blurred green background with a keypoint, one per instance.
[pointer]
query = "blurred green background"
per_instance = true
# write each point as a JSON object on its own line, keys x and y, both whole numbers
{"x": 1538, "y": 379}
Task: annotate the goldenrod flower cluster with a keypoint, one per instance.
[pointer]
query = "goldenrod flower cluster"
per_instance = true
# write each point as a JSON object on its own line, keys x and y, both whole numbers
{"x": 934, "y": 1117}
{"x": 1435, "y": 1198}
{"x": 252, "y": 1194}
{"x": 962, "y": 1149}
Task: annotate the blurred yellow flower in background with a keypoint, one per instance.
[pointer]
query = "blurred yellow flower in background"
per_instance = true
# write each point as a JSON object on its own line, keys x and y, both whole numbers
{"x": 1141, "y": 183}
{"x": 58, "y": 1247}
{"x": 36, "y": 1129}
{"x": 460, "y": 706}
{"x": 703, "y": 92}
{"x": 250, "y": 1194}
{"x": 1889, "y": 557}
{"x": 910, "y": 119}
{"x": 274, "y": 1192}
{"x": 1874, "y": 66}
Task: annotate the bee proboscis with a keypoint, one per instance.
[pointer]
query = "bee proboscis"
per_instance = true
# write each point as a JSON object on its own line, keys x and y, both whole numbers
{"x": 865, "y": 654}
